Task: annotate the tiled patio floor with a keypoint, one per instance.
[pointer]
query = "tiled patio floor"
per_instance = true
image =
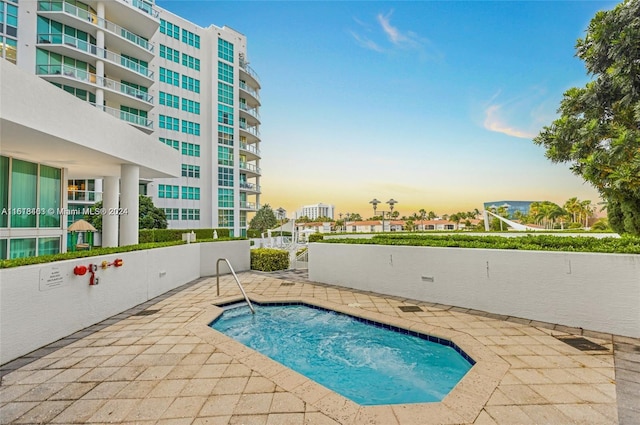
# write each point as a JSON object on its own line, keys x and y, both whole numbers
{"x": 167, "y": 368}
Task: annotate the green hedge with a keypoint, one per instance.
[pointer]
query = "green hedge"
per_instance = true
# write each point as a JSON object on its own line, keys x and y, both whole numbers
{"x": 165, "y": 235}
{"x": 315, "y": 237}
{"x": 268, "y": 259}
{"x": 623, "y": 245}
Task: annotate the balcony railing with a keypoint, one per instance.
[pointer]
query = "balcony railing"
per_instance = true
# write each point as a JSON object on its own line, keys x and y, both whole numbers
{"x": 250, "y": 129}
{"x": 249, "y": 90}
{"x": 92, "y": 49}
{"x": 249, "y": 167}
{"x": 250, "y": 148}
{"x": 145, "y": 7}
{"x": 250, "y": 186}
{"x": 248, "y": 205}
{"x": 251, "y": 111}
{"x": 88, "y": 77}
{"x": 245, "y": 66}
{"x": 127, "y": 116}
{"x": 69, "y": 9}
{"x": 84, "y": 195}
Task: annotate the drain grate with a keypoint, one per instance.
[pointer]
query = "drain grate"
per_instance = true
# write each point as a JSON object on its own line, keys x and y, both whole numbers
{"x": 287, "y": 284}
{"x": 409, "y": 308}
{"x": 581, "y": 343}
{"x": 146, "y": 312}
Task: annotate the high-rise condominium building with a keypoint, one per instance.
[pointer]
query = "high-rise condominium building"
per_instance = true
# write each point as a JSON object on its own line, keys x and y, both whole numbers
{"x": 189, "y": 87}
{"x": 316, "y": 210}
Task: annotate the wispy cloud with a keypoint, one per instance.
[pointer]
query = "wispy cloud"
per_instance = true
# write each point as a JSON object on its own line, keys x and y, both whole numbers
{"x": 397, "y": 37}
{"x": 521, "y": 116}
{"x": 366, "y": 42}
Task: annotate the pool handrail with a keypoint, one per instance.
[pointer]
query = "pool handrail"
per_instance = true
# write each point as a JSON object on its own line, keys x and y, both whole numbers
{"x": 237, "y": 281}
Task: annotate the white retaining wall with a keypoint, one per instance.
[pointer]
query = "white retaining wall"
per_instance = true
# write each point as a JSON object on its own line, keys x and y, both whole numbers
{"x": 42, "y": 303}
{"x": 599, "y": 292}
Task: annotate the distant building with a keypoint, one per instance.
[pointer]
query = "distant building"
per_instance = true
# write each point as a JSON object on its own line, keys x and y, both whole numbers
{"x": 317, "y": 210}
{"x": 511, "y": 206}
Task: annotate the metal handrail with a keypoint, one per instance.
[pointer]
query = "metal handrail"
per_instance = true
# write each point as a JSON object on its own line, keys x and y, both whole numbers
{"x": 237, "y": 281}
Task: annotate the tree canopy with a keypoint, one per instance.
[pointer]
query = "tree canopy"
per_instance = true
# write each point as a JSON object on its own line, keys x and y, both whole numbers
{"x": 264, "y": 219}
{"x": 598, "y": 131}
{"x": 149, "y": 216}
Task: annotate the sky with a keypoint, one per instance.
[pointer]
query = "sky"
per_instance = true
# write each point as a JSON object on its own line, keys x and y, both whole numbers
{"x": 431, "y": 103}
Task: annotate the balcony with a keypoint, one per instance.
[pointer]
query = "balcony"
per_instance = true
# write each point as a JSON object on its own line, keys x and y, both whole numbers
{"x": 250, "y": 90}
{"x": 141, "y": 123}
{"x": 246, "y": 69}
{"x": 251, "y": 168}
{"x": 84, "y": 196}
{"x": 249, "y": 187}
{"x": 250, "y": 129}
{"x": 116, "y": 36}
{"x": 132, "y": 14}
{"x": 115, "y": 64}
{"x": 253, "y": 112}
{"x": 115, "y": 90}
{"x": 253, "y": 149}
{"x": 246, "y": 205}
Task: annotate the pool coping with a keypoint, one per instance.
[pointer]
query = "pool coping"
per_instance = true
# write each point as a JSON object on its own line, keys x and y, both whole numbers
{"x": 463, "y": 403}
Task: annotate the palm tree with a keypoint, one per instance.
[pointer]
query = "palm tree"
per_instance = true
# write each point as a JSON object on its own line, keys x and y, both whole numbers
{"x": 573, "y": 207}
{"x": 586, "y": 211}
{"x": 432, "y": 215}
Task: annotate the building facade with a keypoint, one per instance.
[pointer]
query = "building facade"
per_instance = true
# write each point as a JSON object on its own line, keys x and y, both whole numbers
{"x": 189, "y": 87}
{"x": 317, "y": 210}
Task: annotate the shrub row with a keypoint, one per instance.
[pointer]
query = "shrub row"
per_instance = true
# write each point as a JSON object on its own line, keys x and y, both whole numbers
{"x": 165, "y": 235}
{"x": 623, "y": 245}
{"x": 315, "y": 237}
{"x": 269, "y": 259}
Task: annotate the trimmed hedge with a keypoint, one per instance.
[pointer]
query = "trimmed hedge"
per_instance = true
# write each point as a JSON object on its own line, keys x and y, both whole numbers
{"x": 165, "y": 235}
{"x": 269, "y": 259}
{"x": 315, "y": 237}
{"x": 622, "y": 245}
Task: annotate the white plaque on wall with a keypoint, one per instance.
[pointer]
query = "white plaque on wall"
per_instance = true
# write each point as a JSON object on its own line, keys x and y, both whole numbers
{"x": 52, "y": 277}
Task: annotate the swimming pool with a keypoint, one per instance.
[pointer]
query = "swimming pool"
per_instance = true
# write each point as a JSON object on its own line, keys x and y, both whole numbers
{"x": 367, "y": 362}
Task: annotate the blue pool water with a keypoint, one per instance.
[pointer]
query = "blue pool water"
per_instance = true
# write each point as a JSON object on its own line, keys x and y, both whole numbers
{"x": 365, "y": 363}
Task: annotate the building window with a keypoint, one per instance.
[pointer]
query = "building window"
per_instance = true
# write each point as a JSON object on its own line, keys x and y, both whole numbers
{"x": 169, "y": 77}
{"x": 24, "y": 180}
{"x": 190, "y": 214}
{"x": 191, "y": 84}
{"x": 225, "y": 72}
{"x": 225, "y": 176}
{"x": 170, "y": 123}
{"x": 225, "y": 114}
{"x": 225, "y": 50}
{"x": 191, "y": 171}
{"x": 48, "y": 246}
{"x": 4, "y": 191}
{"x": 50, "y": 202}
{"x": 169, "y": 29}
{"x": 190, "y": 38}
{"x": 172, "y": 213}
{"x": 170, "y": 142}
{"x": 225, "y": 156}
{"x": 225, "y": 135}
{"x": 225, "y": 93}
{"x": 190, "y": 149}
{"x": 191, "y": 106}
{"x": 225, "y": 218}
{"x": 190, "y": 62}
{"x": 168, "y": 191}
{"x": 189, "y": 127}
{"x": 20, "y": 248}
{"x": 169, "y": 100}
{"x": 225, "y": 198}
{"x": 189, "y": 192}
{"x": 169, "y": 53}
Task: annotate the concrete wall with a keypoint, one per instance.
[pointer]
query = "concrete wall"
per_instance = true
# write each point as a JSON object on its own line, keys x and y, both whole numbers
{"x": 42, "y": 303}
{"x": 593, "y": 291}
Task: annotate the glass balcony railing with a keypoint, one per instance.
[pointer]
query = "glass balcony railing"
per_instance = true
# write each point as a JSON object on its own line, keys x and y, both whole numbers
{"x": 84, "y": 195}
{"x": 249, "y": 167}
{"x": 250, "y": 148}
{"x": 249, "y": 186}
{"x": 244, "y": 65}
{"x": 145, "y": 7}
{"x": 92, "y": 49}
{"x": 87, "y": 77}
{"x": 249, "y": 90}
{"x": 69, "y": 9}
{"x": 127, "y": 116}
{"x": 251, "y": 111}
{"x": 247, "y": 205}
{"x": 250, "y": 129}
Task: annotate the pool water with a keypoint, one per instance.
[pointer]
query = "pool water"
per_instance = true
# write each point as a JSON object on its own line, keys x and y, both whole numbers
{"x": 368, "y": 364}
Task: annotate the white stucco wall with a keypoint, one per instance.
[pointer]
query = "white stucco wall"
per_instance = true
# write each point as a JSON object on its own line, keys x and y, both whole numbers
{"x": 599, "y": 292}
{"x": 34, "y": 313}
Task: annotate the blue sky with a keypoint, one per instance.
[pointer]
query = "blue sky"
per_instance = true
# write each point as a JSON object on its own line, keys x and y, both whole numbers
{"x": 432, "y": 103}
